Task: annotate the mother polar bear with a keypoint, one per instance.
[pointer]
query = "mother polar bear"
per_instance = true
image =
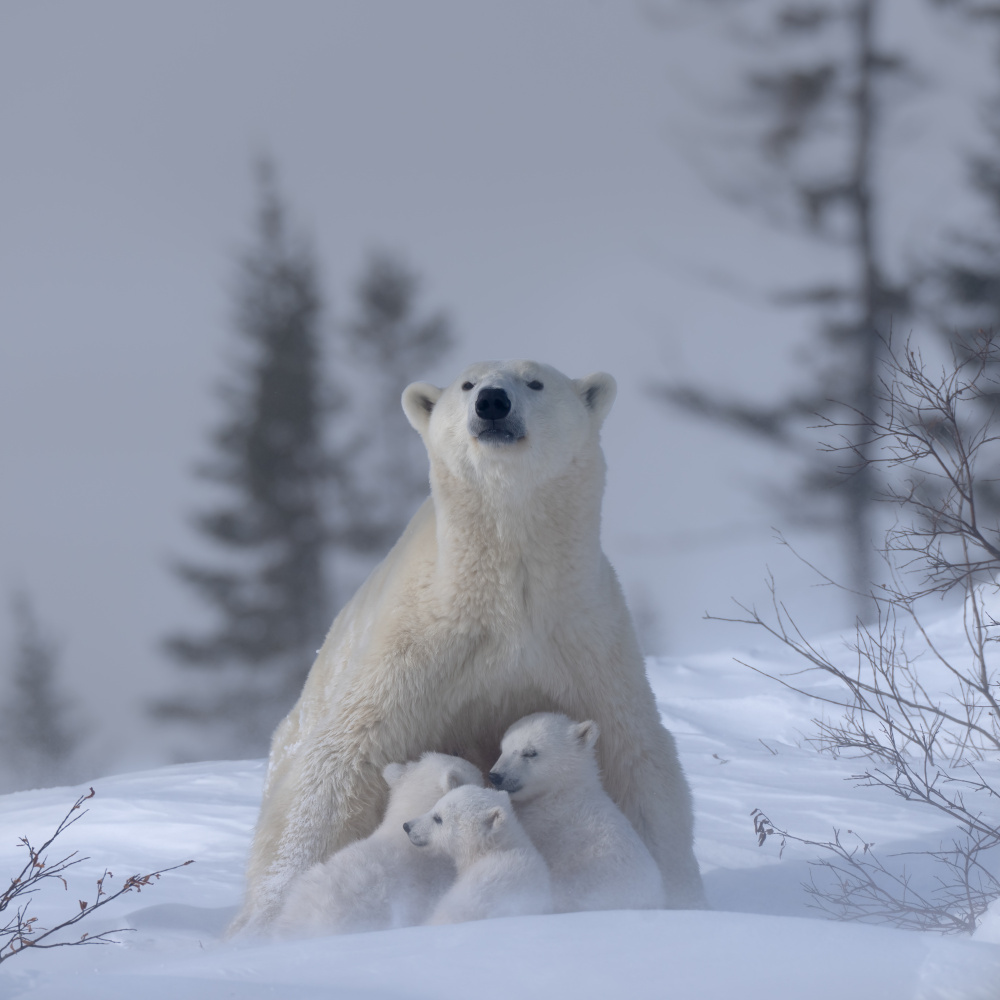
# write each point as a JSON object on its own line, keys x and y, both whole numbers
{"x": 495, "y": 603}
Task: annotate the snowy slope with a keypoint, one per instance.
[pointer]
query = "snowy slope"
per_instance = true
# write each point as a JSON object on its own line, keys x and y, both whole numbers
{"x": 742, "y": 742}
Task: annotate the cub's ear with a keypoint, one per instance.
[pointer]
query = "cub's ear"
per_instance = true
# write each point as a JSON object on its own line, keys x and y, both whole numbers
{"x": 452, "y": 778}
{"x": 598, "y": 392}
{"x": 419, "y": 399}
{"x": 392, "y": 773}
{"x": 494, "y": 819}
{"x": 586, "y": 733}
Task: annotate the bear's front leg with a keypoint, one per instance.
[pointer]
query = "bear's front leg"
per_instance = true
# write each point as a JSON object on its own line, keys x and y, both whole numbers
{"x": 306, "y": 815}
{"x": 654, "y": 795}
{"x": 320, "y": 796}
{"x": 325, "y": 788}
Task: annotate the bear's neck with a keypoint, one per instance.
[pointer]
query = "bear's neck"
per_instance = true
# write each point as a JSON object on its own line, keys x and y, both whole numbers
{"x": 500, "y": 542}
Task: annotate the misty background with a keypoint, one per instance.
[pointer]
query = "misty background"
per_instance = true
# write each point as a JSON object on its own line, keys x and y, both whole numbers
{"x": 668, "y": 191}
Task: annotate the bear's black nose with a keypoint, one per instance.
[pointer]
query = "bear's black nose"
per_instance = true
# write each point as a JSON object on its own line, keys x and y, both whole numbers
{"x": 406, "y": 828}
{"x": 492, "y": 403}
{"x": 495, "y": 779}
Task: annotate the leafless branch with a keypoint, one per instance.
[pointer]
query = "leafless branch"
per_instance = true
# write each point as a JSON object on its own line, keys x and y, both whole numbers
{"x": 922, "y": 722}
{"x": 853, "y": 884}
{"x": 21, "y": 931}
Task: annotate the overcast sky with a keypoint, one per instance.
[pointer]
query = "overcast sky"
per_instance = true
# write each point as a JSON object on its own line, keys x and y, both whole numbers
{"x": 544, "y": 165}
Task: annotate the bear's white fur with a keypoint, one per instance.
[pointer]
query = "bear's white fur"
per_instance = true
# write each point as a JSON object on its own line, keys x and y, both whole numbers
{"x": 500, "y": 873}
{"x": 496, "y": 602}
{"x": 548, "y": 767}
{"x": 382, "y": 881}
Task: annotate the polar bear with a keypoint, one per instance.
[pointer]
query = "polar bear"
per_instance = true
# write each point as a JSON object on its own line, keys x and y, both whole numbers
{"x": 548, "y": 767}
{"x": 382, "y": 881}
{"x": 496, "y": 602}
{"x": 500, "y": 873}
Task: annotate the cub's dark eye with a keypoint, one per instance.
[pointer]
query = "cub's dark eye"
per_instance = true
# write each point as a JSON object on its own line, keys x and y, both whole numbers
{"x": 536, "y": 385}
{"x": 529, "y": 753}
{"x": 466, "y": 386}
{"x": 437, "y": 819}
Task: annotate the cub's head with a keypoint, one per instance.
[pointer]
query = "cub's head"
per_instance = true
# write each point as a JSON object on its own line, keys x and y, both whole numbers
{"x": 502, "y": 413}
{"x": 543, "y": 752}
{"x": 462, "y": 823}
{"x": 416, "y": 786}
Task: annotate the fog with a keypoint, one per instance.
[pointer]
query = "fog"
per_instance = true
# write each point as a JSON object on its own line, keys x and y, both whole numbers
{"x": 554, "y": 171}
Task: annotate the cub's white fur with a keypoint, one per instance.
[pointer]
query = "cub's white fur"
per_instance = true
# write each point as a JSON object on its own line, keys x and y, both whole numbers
{"x": 382, "y": 881}
{"x": 496, "y": 602}
{"x": 597, "y": 861}
{"x": 500, "y": 872}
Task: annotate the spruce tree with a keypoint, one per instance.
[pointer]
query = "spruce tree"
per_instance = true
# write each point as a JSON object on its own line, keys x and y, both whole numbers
{"x": 817, "y": 97}
{"x": 37, "y": 732}
{"x": 267, "y": 589}
{"x": 390, "y": 344}
{"x": 961, "y": 288}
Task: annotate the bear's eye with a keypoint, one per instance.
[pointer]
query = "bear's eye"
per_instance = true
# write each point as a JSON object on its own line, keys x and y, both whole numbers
{"x": 529, "y": 753}
{"x": 466, "y": 386}
{"x": 436, "y": 818}
{"x": 536, "y": 385}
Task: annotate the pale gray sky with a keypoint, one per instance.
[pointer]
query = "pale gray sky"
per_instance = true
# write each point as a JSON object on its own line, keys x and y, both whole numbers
{"x": 538, "y": 162}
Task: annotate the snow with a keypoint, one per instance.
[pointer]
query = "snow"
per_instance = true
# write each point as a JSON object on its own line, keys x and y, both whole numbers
{"x": 744, "y": 743}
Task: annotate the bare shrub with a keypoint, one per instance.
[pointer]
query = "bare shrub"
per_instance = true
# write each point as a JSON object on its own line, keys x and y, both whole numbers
{"x": 856, "y": 885}
{"x": 22, "y": 931}
{"x": 923, "y": 721}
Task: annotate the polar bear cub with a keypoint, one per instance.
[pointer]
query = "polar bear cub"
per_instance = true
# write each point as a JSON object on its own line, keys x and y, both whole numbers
{"x": 382, "y": 881}
{"x": 500, "y": 872}
{"x": 596, "y": 859}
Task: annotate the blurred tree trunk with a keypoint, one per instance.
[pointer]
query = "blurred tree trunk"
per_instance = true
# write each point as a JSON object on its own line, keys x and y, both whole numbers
{"x": 817, "y": 100}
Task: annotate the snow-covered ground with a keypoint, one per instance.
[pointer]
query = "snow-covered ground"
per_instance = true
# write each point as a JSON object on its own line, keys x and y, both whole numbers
{"x": 743, "y": 742}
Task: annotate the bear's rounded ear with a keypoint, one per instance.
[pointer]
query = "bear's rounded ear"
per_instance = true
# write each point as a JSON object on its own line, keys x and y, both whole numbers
{"x": 392, "y": 773}
{"x": 494, "y": 819}
{"x": 586, "y": 733}
{"x": 598, "y": 392}
{"x": 453, "y": 778}
{"x": 418, "y": 402}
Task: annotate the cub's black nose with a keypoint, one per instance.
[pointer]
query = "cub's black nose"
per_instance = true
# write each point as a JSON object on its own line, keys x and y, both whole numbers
{"x": 406, "y": 828}
{"x": 492, "y": 403}
{"x": 495, "y": 779}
